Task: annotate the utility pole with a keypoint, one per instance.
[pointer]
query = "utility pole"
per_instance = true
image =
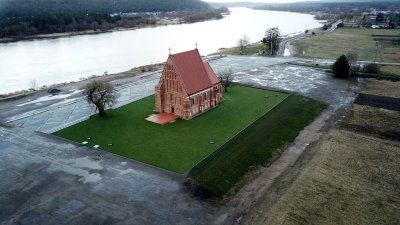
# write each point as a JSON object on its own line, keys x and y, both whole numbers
{"x": 378, "y": 51}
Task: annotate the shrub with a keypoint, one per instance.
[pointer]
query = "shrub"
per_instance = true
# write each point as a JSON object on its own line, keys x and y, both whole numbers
{"x": 372, "y": 68}
{"x": 341, "y": 68}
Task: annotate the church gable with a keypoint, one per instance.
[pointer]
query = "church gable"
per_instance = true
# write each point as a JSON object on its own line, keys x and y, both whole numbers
{"x": 190, "y": 67}
{"x": 170, "y": 79}
{"x": 188, "y": 86}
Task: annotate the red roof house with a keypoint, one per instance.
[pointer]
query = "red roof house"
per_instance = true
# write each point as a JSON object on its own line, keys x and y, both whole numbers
{"x": 188, "y": 86}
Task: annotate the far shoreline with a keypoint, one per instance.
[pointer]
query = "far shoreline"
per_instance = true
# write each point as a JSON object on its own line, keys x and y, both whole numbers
{"x": 160, "y": 23}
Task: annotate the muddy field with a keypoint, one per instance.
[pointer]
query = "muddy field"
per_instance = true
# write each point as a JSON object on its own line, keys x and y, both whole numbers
{"x": 350, "y": 176}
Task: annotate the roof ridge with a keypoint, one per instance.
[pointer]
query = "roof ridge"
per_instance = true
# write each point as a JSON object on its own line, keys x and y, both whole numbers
{"x": 202, "y": 65}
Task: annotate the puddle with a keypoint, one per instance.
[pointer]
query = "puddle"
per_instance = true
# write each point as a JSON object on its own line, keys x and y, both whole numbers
{"x": 80, "y": 167}
{"x": 70, "y": 207}
{"x": 86, "y": 162}
{"x": 5, "y": 144}
{"x": 49, "y": 98}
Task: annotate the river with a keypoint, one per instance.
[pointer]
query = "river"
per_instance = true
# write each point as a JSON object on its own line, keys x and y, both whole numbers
{"x": 50, "y": 61}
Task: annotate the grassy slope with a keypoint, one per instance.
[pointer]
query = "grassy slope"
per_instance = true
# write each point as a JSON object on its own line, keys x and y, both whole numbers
{"x": 177, "y": 146}
{"x": 343, "y": 40}
{"x": 255, "y": 145}
{"x": 351, "y": 179}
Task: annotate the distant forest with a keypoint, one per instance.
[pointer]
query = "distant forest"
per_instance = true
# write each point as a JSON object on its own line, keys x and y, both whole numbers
{"x": 332, "y": 6}
{"x": 20, "y": 18}
{"x": 23, "y": 8}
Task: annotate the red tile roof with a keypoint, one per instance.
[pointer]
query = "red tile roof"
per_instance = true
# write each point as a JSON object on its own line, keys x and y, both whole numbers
{"x": 211, "y": 75}
{"x": 194, "y": 73}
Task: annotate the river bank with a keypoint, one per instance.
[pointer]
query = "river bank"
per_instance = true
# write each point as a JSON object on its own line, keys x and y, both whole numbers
{"x": 159, "y": 21}
{"x": 60, "y": 60}
{"x": 117, "y": 79}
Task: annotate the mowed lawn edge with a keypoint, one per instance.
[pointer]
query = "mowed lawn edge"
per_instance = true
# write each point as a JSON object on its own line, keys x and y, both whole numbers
{"x": 175, "y": 146}
{"x": 223, "y": 170}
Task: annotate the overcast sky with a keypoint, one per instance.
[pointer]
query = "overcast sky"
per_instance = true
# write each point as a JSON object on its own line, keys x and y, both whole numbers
{"x": 279, "y": 1}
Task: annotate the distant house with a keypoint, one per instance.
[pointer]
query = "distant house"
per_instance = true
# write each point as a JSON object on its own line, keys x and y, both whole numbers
{"x": 188, "y": 86}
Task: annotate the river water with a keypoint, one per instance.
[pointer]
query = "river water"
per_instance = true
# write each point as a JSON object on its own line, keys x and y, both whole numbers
{"x": 68, "y": 59}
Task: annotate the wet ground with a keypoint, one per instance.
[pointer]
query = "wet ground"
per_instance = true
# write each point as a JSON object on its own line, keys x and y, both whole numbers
{"x": 47, "y": 180}
{"x": 274, "y": 73}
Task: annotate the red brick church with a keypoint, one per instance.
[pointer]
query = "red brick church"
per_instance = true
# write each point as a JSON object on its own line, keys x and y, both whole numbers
{"x": 188, "y": 86}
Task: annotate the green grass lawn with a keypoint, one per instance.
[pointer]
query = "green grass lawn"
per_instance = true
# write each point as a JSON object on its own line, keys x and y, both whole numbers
{"x": 344, "y": 40}
{"x": 176, "y": 146}
{"x": 256, "y": 145}
{"x": 250, "y": 50}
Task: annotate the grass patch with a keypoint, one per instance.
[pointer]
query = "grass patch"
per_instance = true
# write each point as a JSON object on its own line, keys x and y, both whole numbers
{"x": 251, "y": 50}
{"x": 390, "y": 70}
{"x": 255, "y": 145}
{"x": 343, "y": 40}
{"x": 176, "y": 146}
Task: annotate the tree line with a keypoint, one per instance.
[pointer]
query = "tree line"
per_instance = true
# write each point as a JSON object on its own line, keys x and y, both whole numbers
{"x": 20, "y": 18}
{"x": 28, "y": 8}
{"x": 344, "y": 6}
{"x": 44, "y": 24}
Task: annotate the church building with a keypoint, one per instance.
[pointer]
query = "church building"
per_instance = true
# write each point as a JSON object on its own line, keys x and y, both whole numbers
{"x": 188, "y": 86}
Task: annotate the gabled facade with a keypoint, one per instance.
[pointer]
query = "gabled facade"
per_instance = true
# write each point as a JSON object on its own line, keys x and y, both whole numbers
{"x": 188, "y": 86}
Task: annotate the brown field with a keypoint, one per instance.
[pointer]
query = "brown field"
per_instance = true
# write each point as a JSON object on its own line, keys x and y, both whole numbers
{"x": 353, "y": 179}
{"x": 383, "y": 88}
{"x": 345, "y": 40}
{"x": 350, "y": 176}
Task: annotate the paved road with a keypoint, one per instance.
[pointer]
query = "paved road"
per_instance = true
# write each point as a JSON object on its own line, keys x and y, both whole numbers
{"x": 71, "y": 111}
{"x": 46, "y": 180}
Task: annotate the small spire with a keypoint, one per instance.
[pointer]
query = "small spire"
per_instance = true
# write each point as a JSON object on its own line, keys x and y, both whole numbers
{"x": 196, "y": 45}
{"x": 169, "y": 51}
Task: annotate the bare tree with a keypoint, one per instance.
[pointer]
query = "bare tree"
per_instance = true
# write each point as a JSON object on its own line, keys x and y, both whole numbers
{"x": 352, "y": 57}
{"x": 243, "y": 43}
{"x": 100, "y": 94}
{"x": 271, "y": 40}
{"x": 33, "y": 84}
{"x": 226, "y": 78}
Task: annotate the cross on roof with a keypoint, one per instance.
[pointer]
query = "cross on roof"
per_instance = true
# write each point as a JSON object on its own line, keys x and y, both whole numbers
{"x": 169, "y": 51}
